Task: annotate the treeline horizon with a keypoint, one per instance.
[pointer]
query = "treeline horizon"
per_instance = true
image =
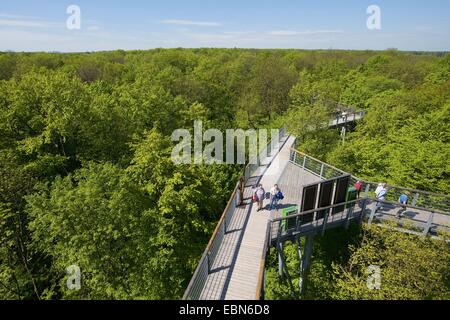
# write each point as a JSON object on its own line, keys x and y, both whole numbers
{"x": 417, "y": 52}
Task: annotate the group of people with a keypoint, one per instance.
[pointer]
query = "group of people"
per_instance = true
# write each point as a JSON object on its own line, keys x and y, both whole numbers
{"x": 259, "y": 195}
{"x": 381, "y": 193}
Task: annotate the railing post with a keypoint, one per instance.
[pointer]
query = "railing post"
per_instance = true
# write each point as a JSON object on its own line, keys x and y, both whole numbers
{"x": 270, "y": 234}
{"x": 263, "y": 285}
{"x": 363, "y": 209}
{"x": 349, "y": 213}
{"x": 325, "y": 221}
{"x": 295, "y": 156}
{"x": 372, "y": 215}
{"x": 367, "y": 190}
{"x": 416, "y": 197}
{"x": 304, "y": 161}
{"x": 321, "y": 171}
{"x": 428, "y": 225}
{"x": 280, "y": 260}
{"x": 209, "y": 263}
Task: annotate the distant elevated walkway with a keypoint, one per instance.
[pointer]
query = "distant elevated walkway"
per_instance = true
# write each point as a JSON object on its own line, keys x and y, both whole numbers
{"x": 345, "y": 118}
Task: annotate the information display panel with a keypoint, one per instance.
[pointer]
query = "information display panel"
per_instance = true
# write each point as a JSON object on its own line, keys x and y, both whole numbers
{"x": 340, "y": 196}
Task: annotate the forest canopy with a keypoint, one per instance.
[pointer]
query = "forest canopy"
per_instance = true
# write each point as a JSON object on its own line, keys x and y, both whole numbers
{"x": 86, "y": 173}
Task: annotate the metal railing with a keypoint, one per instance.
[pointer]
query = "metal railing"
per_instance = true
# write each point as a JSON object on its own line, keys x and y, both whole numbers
{"x": 255, "y": 163}
{"x": 206, "y": 264}
{"x": 320, "y": 219}
{"x": 310, "y": 221}
{"x": 314, "y": 166}
{"x": 195, "y": 287}
{"x": 416, "y": 198}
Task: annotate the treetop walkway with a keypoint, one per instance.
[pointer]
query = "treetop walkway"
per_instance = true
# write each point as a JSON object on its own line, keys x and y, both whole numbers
{"x": 347, "y": 117}
{"x": 233, "y": 265}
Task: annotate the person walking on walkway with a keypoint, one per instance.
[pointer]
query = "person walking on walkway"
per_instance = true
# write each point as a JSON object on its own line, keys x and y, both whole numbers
{"x": 275, "y": 196}
{"x": 358, "y": 187}
{"x": 381, "y": 196}
{"x": 403, "y": 200}
{"x": 378, "y": 189}
{"x": 241, "y": 188}
{"x": 260, "y": 194}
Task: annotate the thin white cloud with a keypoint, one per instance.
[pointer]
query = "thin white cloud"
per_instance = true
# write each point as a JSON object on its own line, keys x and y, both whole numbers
{"x": 425, "y": 28}
{"x": 36, "y": 40}
{"x": 17, "y": 22}
{"x": 190, "y": 23}
{"x": 28, "y": 23}
{"x": 300, "y": 33}
{"x": 93, "y": 28}
{"x": 15, "y": 16}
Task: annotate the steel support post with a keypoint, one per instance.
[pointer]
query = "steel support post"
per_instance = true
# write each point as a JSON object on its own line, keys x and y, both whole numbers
{"x": 280, "y": 260}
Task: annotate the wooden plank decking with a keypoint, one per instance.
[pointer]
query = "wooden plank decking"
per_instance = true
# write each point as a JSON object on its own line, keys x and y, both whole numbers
{"x": 235, "y": 269}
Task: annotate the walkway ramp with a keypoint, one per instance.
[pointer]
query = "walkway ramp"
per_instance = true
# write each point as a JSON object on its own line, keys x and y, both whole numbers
{"x": 243, "y": 273}
{"x": 228, "y": 269}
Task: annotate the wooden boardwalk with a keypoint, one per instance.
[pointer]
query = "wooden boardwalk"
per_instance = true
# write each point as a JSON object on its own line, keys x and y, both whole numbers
{"x": 234, "y": 274}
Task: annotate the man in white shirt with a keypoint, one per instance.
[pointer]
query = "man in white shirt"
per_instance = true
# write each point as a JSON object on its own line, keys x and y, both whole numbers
{"x": 260, "y": 195}
{"x": 378, "y": 189}
{"x": 381, "y": 195}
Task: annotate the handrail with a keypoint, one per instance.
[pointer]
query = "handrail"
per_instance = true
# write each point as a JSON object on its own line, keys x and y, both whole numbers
{"x": 222, "y": 218}
{"x": 303, "y": 213}
{"x": 352, "y": 202}
{"x": 262, "y": 268}
{"x": 321, "y": 162}
{"x": 409, "y": 189}
{"x": 211, "y": 241}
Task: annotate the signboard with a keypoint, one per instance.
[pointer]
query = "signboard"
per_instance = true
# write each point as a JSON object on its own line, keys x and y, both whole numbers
{"x": 340, "y": 196}
{"x": 309, "y": 202}
{"x": 289, "y": 223}
{"x": 325, "y": 197}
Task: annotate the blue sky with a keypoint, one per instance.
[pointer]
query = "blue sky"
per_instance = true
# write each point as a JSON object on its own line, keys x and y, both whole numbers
{"x": 30, "y": 25}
